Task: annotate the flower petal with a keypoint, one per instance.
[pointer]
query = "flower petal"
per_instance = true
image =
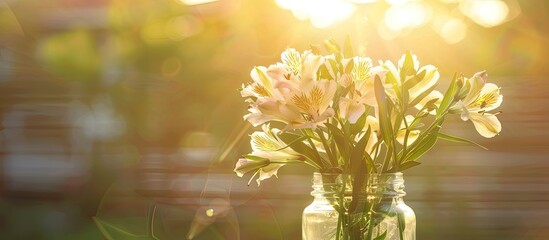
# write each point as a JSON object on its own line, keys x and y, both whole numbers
{"x": 412, "y": 136}
{"x": 475, "y": 84}
{"x": 431, "y": 77}
{"x": 492, "y": 96}
{"x": 245, "y": 165}
{"x": 267, "y": 172}
{"x": 259, "y": 75}
{"x": 487, "y": 125}
{"x": 433, "y": 95}
{"x": 350, "y": 110}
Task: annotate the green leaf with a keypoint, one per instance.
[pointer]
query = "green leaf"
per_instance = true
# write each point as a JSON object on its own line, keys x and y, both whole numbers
{"x": 382, "y": 236}
{"x": 448, "y": 96}
{"x": 401, "y": 224}
{"x": 459, "y": 140}
{"x": 316, "y": 49}
{"x": 332, "y": 46}
{"x": 384, "y": 119}
{"x": 405, "y": 166}
{"x": 359, "y": 125}
{"x": 414, "y": 80}
{"x": 408, "y": 68}
{"x": 255, "y": 158}
{"x": 334, "y": 66}
{"x": 348, "y": 48}
{"x": 425, "y": 145}
{"x": 301, "y": 147}
{"x": 350, "y": 66}
{"x": 359, "y": 169}
{"x": 340, "y": 140}
{"x": 357, "y": 164}
{"x": 324, "y": 73}
{"x": 422, "y": 95}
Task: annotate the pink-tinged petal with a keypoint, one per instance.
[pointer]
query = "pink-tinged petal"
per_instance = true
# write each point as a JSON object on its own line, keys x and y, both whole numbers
{"x": 350, "y": 110}
{"x": 248, "y": 91}
{"x": 245, "y": 165}
{"x": 345, "y": 80}
{"x": 257, "y": 118}
{"x": 311, "y": 63}
{"x": 277, "y": 71}
{"x": 329, "y": 88}
{"x": 487, "y": 125}
{"x": 267, "y": 172}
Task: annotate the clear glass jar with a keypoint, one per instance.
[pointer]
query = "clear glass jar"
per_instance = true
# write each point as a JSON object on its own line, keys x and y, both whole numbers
{"x": 390, "y": 215}
{"x": 320, "y": 218}
{"x": 378, "y": 209}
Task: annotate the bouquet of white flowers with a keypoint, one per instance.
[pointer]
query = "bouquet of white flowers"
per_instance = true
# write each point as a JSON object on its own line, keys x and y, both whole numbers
{"x": 340, "y": 113}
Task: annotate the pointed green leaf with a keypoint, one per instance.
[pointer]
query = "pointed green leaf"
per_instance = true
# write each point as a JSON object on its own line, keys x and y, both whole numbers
{"x": 422, "y": 95}
{"x": 422, "y": 147}
{"x": 384, "y": 119}
{"x": 414, "y": 80}
{"x": 401, "y": 224}
{"x": 408, "y": 68}
{"x": 301, "y": 147}
{"x": 255, "y": 158}
{"x": 358, "y": 167}
{"x": 339, "y": 138}
{"x": 348, "y": 48}
{"x": 449, "y": 96}
{"x": 382, "y": 236}
{"x": 332, "y": 46}
{"x": 459, "y": 140}
{"x": 316, "y": 49}
{"x": 405, "y": 166}
{"x": 350, "y": 66}
{"x": 359, "y": 125}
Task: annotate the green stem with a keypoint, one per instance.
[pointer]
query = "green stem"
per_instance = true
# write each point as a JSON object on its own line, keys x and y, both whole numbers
{"x": 331, "y": 156}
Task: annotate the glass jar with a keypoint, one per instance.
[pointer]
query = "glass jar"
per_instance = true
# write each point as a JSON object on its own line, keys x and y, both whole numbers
{"x": 390, "y": 215}
{"x": 320, "y": 218}
{"x": 373, "y": 210}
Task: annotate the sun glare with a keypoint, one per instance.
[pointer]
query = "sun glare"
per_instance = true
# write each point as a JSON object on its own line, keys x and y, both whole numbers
{"x": 487, "y": 13}
{"x": 410, "y": 14}
{"x": 453, "y": 31}
{"x": 196, "y": 2}
{"x": 321, "y": 13}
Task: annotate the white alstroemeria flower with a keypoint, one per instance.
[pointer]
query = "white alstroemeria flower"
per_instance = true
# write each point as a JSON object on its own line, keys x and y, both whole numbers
{"x": 412, "y": 135}
{"x": 429, "y": 80}
{"x": 480, "y": 98}
{"x": 362, "y": 76}
{"x": 262, "y": 85}
{"x": 269, "y": 153}
{"x": 290, "y": 92}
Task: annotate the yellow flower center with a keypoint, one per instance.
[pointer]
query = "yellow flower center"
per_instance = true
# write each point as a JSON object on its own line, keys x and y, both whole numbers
{"x": 486, "y": 100}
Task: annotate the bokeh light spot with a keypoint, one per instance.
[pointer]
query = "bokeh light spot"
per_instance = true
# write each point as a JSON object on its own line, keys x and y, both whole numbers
{"x": 411, "y": 14}
{"x": 453, "y": 31}
{"x": 210, "y": 212}
{"x": 171, "y": 66}
{"x": 182, "y": 27}
{"x": 322, "y": 13}
{"x": 487, "y": 13}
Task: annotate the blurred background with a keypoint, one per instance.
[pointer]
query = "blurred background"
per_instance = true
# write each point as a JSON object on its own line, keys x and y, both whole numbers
{"x": 122, "y": 119}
